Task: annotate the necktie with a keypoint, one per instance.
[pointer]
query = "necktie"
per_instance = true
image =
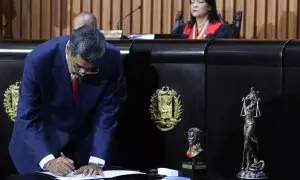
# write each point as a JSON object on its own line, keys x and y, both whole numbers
{"x": 75, "y": 85}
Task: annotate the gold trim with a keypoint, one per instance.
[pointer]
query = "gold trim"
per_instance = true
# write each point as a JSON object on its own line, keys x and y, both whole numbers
{"x": 165, "y": 108}
{"x": 10, "y": 101}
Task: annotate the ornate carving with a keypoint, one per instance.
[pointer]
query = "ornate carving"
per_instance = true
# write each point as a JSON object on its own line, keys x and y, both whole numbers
{"x": 10, "y": 102}
{"x": 165, "y": 108}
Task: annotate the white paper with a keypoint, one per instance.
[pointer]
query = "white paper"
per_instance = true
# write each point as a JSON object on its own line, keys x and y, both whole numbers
{"x": 141, "y": 36}
{"x": 107, "y": 174}
{"x": 167, "y": 172}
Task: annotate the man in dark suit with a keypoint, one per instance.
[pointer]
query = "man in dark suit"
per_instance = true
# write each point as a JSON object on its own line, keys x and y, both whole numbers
{"x": 68, "y": 102}
{"x": 87, "y": 18}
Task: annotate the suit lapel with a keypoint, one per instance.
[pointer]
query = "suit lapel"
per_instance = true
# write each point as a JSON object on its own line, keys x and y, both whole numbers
{"x": 61, "y": 73}
{"x": 64, "y": 83}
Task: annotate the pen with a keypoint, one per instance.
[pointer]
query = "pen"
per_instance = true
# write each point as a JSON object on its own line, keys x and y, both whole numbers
{"x": 62, "y": 154}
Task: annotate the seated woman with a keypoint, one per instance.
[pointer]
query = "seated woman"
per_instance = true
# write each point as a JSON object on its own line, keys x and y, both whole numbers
{"x": 205, "y": 22}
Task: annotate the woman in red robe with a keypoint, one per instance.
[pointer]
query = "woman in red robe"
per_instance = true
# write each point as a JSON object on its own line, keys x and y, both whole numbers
{"x": 205, "y": 22}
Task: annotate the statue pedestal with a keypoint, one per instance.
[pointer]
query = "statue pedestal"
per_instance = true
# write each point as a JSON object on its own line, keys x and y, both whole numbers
{"x": 193, "y": 170}
{"x": 251, "y": 175}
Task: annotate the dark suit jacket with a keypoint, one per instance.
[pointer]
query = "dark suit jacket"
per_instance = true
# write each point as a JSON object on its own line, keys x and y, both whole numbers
{"x": 48, "y": 121}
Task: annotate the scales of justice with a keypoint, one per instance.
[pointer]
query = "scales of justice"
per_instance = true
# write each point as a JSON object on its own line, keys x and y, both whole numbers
{"x": 252, "y": 167}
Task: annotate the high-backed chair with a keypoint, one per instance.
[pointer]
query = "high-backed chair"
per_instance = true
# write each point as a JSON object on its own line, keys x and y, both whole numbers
{"x": 237, "y": 22}
{"x": 235, "y": 25}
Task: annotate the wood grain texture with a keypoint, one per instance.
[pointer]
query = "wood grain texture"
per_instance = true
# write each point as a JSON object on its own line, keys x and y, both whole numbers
{"x": 43, "y": 19}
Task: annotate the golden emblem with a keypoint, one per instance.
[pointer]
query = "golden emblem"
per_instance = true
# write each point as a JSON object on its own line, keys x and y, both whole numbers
{"x": 10, "y": 102}
{"x": 165, "y": 108}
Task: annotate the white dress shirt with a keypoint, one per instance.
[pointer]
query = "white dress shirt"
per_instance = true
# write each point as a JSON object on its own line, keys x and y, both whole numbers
{"x": 94, "y": 160}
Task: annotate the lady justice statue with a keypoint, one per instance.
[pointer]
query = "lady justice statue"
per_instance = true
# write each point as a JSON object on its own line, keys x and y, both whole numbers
{"x": 252, "y": 167}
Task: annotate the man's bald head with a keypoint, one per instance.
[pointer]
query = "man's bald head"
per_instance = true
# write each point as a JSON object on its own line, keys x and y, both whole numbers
{"x": 84, "y": 18}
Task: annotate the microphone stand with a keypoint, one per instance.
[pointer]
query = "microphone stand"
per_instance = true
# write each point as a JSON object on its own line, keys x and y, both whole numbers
{"x": 129, "y": 14}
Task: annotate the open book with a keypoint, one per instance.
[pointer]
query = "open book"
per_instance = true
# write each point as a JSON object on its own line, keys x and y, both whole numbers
{"x": 107, "y": 174}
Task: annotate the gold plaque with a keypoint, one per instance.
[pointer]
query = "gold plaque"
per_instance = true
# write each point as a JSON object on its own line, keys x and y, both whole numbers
{"x": 10, "y": 102}
{"x": 112, "y": 34}
{"x": 165, "y": 108}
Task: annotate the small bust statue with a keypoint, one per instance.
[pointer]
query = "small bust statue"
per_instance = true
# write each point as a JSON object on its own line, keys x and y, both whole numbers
{"x": 194, "y": 168}
{"x": 194, "y": 143}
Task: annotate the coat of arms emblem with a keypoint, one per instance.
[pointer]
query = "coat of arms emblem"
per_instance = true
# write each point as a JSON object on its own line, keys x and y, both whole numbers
{"x": 10, "y": 102}
{"x": 165, "y": 108}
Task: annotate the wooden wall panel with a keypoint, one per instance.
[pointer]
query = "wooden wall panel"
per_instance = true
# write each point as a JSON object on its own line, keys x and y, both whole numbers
{"x": 282, "y": 20}
{"x": 250, "y": 18}
{"x": 106, "y": 15}
{"x": 293, "y": 18}
{"x": 36, "y": 16}
{"x": 45, "y": 14}
{"x": 126, "y": 23}
{"x": 26, "y": 20}
{"x": 240, "y": 5}
{"x": 157, "y": 16}
{"x": 261, "y": 21}
{"x": 43, "y": 19}
{"x": 17, "y": 20}
{"x": 96, "y": 10}
{"x": 147, "y": 11}
{"x": 56, "y": 16}
{"x": 271, "y": 20}
{"x": 167, "y": 16}
{"x": 136, "y": 17}
{"x": 116, "y": 13}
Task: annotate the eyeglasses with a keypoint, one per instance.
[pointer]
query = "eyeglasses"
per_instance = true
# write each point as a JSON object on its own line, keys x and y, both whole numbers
{"x": 81, "y": 71}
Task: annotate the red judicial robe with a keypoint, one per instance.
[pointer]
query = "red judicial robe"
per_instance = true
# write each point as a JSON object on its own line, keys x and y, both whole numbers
{"x": 210, "y": 28}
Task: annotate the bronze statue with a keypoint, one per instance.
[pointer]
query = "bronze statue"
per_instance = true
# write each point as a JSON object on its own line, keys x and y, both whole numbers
{"x": 194, "y": 143}
{"x": 194, "y": 168}
{"x": 252, "y": 167}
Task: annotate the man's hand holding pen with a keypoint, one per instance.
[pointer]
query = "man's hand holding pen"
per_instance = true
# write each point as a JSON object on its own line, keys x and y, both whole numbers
{"x": 60, "y": 166}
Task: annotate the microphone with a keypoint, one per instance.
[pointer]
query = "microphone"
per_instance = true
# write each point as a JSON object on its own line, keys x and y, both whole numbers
{"x": 129, "y": 14}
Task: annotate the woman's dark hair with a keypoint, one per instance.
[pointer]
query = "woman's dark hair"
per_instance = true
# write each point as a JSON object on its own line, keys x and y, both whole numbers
{"x": 212, "y": 14}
